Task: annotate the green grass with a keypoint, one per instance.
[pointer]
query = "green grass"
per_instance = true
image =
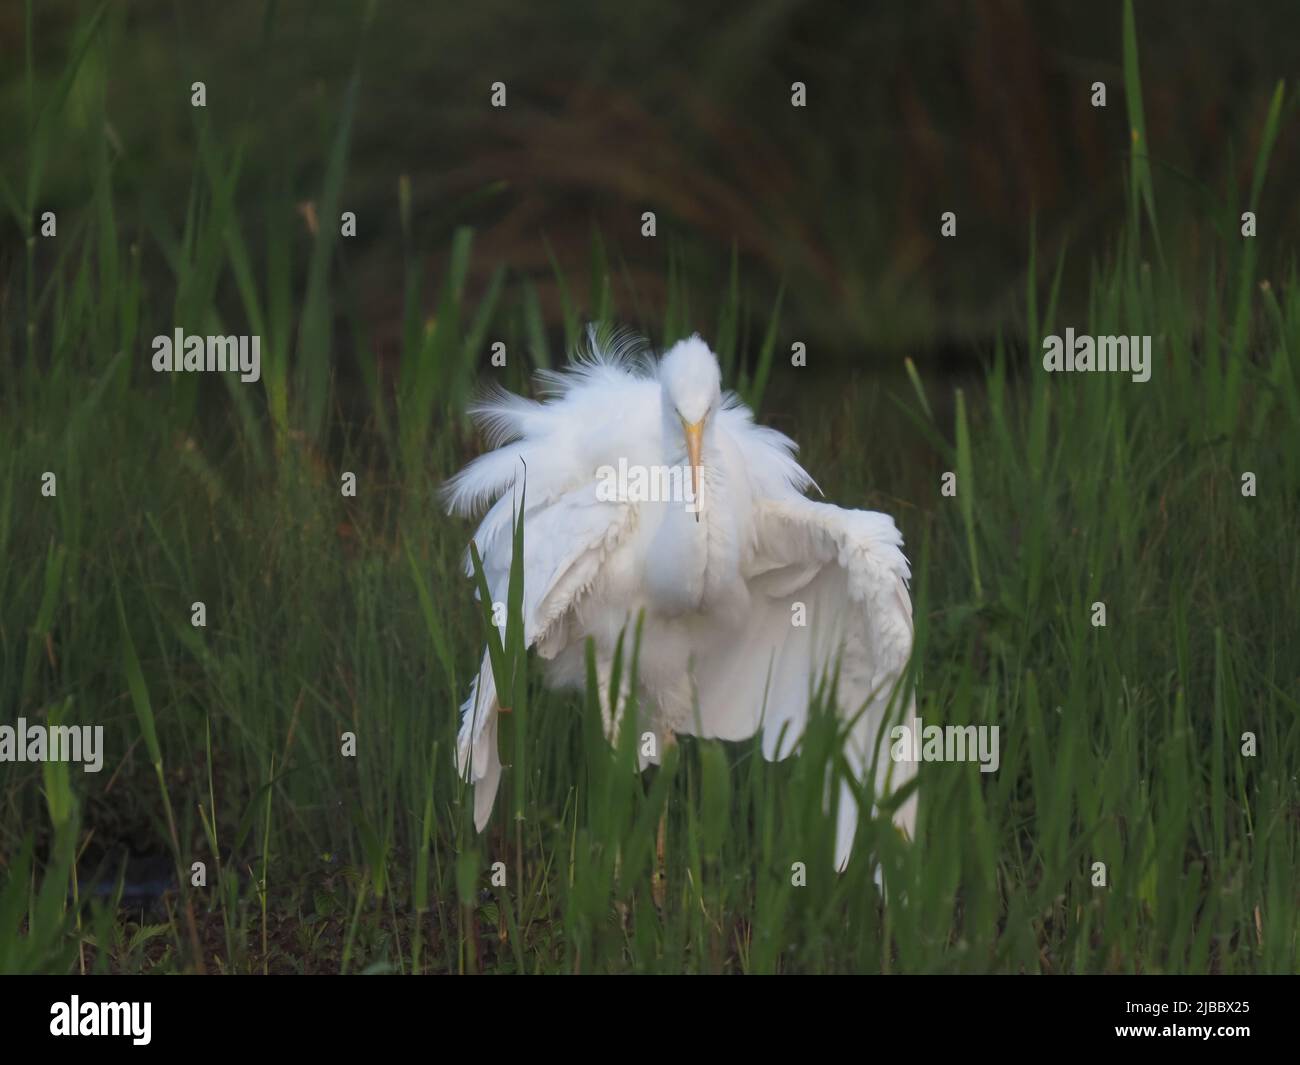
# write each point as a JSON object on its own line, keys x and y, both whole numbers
{"x": 329, "y": 615}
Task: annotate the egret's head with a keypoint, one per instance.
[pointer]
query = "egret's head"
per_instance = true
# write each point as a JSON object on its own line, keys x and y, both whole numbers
{"x": 691, "y": 380}
{"x": 692, "y": 392}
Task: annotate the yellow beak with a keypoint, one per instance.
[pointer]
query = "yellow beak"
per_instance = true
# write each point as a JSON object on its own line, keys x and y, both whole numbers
{"x": 694, "y": 443}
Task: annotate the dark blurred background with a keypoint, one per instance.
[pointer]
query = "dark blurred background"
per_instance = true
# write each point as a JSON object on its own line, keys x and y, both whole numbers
{"x": 685, "y": 109}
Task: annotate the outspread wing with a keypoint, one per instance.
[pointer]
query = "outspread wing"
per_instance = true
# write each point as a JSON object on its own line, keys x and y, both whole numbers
{"x": 566, "y": 543}
{"x": 828, "y": 590}
{"x": 600, "y": 408}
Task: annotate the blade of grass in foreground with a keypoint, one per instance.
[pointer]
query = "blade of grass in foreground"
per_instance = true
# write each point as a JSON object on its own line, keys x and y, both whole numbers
{"x": 148, "y": 729}
{"x": 314, "y": 342}
{"x": 1140, "y": 184}
{"x": 966, "y": 490}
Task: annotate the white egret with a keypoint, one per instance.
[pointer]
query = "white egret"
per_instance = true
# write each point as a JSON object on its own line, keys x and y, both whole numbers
{"x": 751, "y": 592}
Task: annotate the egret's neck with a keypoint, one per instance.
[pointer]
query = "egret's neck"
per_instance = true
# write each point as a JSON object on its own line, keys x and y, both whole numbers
{"x": 678, "y": 558}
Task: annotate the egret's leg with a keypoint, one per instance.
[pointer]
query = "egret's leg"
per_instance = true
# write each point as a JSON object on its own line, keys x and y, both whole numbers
{"x": 659, "y": 886}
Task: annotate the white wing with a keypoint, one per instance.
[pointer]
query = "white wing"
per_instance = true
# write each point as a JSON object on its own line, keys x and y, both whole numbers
{"x": 566, "y": 543}
{"x": 603, "y": 409}
{"x": 842, "y": 573}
